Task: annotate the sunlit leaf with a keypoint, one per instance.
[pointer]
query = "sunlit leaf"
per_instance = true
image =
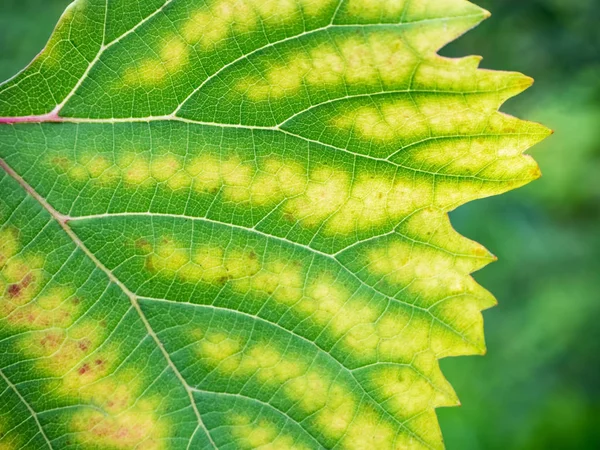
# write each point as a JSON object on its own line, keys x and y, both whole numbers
{"x": 224, "y": 223}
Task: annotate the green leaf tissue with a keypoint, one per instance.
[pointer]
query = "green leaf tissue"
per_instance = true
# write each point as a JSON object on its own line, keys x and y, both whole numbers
{"x": 224, "y": 223}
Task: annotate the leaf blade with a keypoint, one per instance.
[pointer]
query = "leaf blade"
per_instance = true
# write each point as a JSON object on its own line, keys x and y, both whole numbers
{"x": 268, "y": 190}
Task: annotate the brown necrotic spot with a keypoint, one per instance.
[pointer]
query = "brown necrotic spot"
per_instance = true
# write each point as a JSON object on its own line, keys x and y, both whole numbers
{"x": 16, "y": 289}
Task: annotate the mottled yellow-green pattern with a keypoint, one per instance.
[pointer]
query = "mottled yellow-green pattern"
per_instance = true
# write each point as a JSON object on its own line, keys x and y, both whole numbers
{"x": 223, "y": 223}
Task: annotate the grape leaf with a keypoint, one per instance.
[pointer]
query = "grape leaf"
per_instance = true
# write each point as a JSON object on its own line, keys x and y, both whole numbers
{"x": 224, "y": 223}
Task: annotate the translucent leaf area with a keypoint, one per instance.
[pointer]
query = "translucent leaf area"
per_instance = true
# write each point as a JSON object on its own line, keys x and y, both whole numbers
{"x": 223, "y": 223}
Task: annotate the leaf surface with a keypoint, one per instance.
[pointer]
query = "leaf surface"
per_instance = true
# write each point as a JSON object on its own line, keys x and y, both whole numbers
{"x": 224, "y": 223}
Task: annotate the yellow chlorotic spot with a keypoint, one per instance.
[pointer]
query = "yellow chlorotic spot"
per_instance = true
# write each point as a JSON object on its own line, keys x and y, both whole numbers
{"x": 9, "y": 245}
{"x": 204, "y": 263}
{"x": 401, "y": 262}
{"x": 367, "y": 205}
{"x": 406, "y": 393}
{"x": 273, "y": 181}
{"x": 135, "y": 168}
{"x": 21, "y": 278}
{"x": 168, "y": 258}
{"x": 369, "y": 430}
{"x": 270, "y": 182}
{"x": 286, "y": 80}
{"x": 310, "y": 390}
{"x": 388, "y": 122}
{"x": 375, "y": 10}
{"x": 179, "y": 180}
{"x": 394, "y": 60}
{"x": 433, "y": 267}
{"x": 323, "y": 194}
{"x": 165, "y": 167}
{"x": 370, "y": 335}
{"x": 18, "y": 268}
{"x": 56, "y": 308}
{"x": 71, "y": 352}
{"x": 262, "y": 434}
{"x": 135, "y": 428}
{"x": 173, "y": 57}
{"x": 270, "y": 365}
{"x": 241, "y": 264}
{"x": 147, "y": 72}
{"x": 237, "y": 179}
{"x": 121, "y": 419}
{"x": 113, "y": 393}
{"x": 382, "y": 58}
{"x": 13, "y": 445}
{"x": 206, "y": 173}
{"x": 316, "y": 7}
{"x": 412, "y": 336}
{"x": 338, "y": 413}
{"x": 228, "y": 355}
{"x": 174, "y": 54}
{"x": 59, "y": 351}
{"x": 217, "y": 348}
{"x": 324, "y": 301}
{"x": 327, "y": 191}
{"x": 362, "y": 326}
{"x": 211, "y": 26}
{"x": 410, "y": 120}
{"x": 360, "y": 67}
{"x": 208, "y": 264}
{"x": 276, "y": 181}
{"x": 92, "y": 368}
{"x": 283, "y": 280}
{"x": 468, "y": 155}
{"x": 459, "y": 326}
{"x": 95, "y": 164}
{"x": 368, "y": 202}
{"x": 333, "y": 405}
{"x": 78, "y": 173}
{"x": 328, "y": 66}
{"x": 89, "y": 166}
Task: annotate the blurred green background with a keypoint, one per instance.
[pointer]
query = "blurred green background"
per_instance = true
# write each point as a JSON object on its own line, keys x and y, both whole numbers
{"x": 538, "y": 387}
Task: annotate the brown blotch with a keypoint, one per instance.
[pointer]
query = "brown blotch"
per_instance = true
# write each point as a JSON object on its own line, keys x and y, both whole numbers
{"x": 83, "y": 369}
{"x": 51, "y": 340}
{"x": 84, "y": 345}
{"x": 14, "y": 290}
{"x": 143, "y": 245}
{"x": 224, "y": 279}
